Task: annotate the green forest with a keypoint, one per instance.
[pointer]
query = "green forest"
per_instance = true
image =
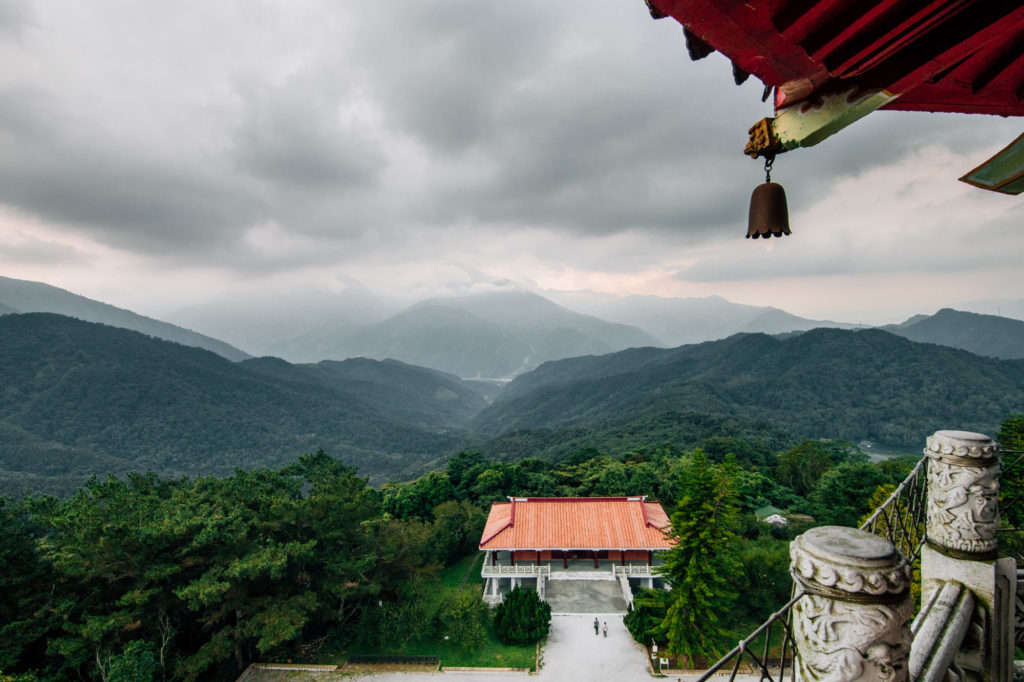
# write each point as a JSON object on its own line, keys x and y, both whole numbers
{"x": 146, "y": 578}
{"x": 80, "y": 398}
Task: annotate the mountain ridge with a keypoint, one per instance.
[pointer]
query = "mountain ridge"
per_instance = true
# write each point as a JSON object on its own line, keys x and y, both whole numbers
{"x": 824, "y": 383}
{"x": 82, "y": 397}
{"x": 23, "y": 296}
{"x": 487, "y": 336}
{"x": 987, "y": 335}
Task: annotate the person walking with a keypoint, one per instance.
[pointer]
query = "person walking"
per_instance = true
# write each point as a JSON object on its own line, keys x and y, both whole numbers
{"x": 606, "y": 628}
{"x": 596, "y": 625}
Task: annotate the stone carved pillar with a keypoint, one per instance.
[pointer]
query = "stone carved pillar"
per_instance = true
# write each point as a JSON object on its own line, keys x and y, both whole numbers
{"x": 853, "y": 621}
{"x": 963, "y": 494}
{"x": 962, "y": 518}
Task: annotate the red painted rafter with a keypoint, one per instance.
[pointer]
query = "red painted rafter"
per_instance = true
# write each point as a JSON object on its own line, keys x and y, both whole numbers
{"x": 1005, "y": 60}
{"x": 799, "y": 18}
{"x": 891, "y": 32}
{"x": 843, "y": 27}
{"x": 985, "y": 24}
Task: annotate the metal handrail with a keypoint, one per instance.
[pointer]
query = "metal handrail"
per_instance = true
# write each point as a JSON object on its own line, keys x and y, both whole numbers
{"x": 1008, "y": 505}
{"x": 900, "y": 519}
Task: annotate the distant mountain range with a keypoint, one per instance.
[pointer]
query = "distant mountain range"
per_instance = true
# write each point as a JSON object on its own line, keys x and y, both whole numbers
{"x": 679, "y": 321}
{"x": 989, "y": 335}
{"x": 21, "y": 296}
{"x": 495, "y": 336}
{"x": 831, "y": 383}
{"x": 80, "y": 398}
{"x": 491, "y": 336}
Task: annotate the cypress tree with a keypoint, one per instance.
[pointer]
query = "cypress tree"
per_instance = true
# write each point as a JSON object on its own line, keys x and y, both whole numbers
{"x": 702, "y": 565}
{"x": 522, "y": 618}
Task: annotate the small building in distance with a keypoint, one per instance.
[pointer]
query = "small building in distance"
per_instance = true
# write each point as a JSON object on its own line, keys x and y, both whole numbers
{"x": 529, "y": 540}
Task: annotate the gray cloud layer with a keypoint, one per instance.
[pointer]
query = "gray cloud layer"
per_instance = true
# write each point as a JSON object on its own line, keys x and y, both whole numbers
{"x": 258, "y": 138}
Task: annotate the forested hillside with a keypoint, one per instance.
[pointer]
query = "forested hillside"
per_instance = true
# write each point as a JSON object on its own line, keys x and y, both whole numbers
{"x": 79, "y": 398}
{"x": 416, "y": 395}
{"x": 988, "y": 335}
{"x": 21, "y": 296}
{"x": 826, "y": 383}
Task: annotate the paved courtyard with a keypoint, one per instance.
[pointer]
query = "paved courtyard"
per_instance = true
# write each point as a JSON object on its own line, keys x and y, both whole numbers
{"x": 572, "y": 652}
{"x": 585, "y": 596}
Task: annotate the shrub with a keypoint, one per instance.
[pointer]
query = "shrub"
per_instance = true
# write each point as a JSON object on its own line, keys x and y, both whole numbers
{"x": 463, "y": 618}
{"x": 640, "y": 622}
{"x": 523, "y": 618}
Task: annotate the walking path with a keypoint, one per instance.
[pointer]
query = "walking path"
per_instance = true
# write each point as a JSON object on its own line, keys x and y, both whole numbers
{"x": 572, "y": 652}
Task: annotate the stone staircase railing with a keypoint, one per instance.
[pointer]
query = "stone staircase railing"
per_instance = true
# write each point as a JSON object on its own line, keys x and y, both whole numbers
{"x": 850, "y": 616}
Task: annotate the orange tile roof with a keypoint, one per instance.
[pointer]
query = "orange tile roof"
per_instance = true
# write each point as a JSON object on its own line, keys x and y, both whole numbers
{"x": 575, "y": 523}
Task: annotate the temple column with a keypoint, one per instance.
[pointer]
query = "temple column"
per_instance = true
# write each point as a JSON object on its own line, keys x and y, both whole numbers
{"x": 962, "y": 517}
{"x": 853, "y": 622}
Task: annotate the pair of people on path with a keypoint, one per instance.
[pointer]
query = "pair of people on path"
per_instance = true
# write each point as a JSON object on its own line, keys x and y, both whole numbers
{"x": 597, "y": 626}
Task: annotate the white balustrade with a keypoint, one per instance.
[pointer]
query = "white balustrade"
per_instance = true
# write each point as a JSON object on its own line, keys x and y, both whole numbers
{"x": 499, "y": 570}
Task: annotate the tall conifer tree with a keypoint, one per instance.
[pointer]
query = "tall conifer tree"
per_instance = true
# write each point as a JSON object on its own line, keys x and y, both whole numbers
{"x": 702, "y": 564}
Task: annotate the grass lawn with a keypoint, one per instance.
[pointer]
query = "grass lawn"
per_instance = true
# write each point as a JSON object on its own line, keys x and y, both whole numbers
{"x": 493, "y": 654}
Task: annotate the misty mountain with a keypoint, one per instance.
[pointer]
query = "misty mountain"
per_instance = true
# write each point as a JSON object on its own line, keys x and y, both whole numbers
{"x": 827, "y": 383}
{"x": 1000, "y": 307}
{"x": 298, "y": 328}
{"x": 6, "y": 309}
{"x": 491, "y": 335}
{"x": 988, "y": 335}
{"x": 81, "y": 398}
{"x": 35, "y": 297}
{"x": 415, "y": 395}
{"x": 678, "y": 321}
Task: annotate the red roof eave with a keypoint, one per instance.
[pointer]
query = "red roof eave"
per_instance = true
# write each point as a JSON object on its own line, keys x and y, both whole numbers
{"x": 939, "y": 55}
{"x": 576, "y": 523}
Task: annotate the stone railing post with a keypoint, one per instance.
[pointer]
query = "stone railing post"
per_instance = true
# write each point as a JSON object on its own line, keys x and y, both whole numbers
{"x": 853, "y": 621}
{"x": 962, "y": 518}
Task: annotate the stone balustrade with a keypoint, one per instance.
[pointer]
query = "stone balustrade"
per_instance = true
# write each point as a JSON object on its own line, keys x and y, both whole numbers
{"x": 519, "y": 570}
{"x": 853, "y": 618}
{"x": 633, "y": 571}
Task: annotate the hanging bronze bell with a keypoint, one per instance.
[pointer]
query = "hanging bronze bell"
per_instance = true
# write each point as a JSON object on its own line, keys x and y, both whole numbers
{"x": 769, "y": 214}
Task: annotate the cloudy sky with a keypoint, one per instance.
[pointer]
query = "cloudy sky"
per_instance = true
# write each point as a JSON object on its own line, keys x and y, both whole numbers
{"x": 160, "y": 154}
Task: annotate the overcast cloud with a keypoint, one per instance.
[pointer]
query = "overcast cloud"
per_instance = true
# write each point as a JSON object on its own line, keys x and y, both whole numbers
{"x": 156, "y": 155}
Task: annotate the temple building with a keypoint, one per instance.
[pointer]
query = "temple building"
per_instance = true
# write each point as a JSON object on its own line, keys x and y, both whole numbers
{"x": 529, "y": 540}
